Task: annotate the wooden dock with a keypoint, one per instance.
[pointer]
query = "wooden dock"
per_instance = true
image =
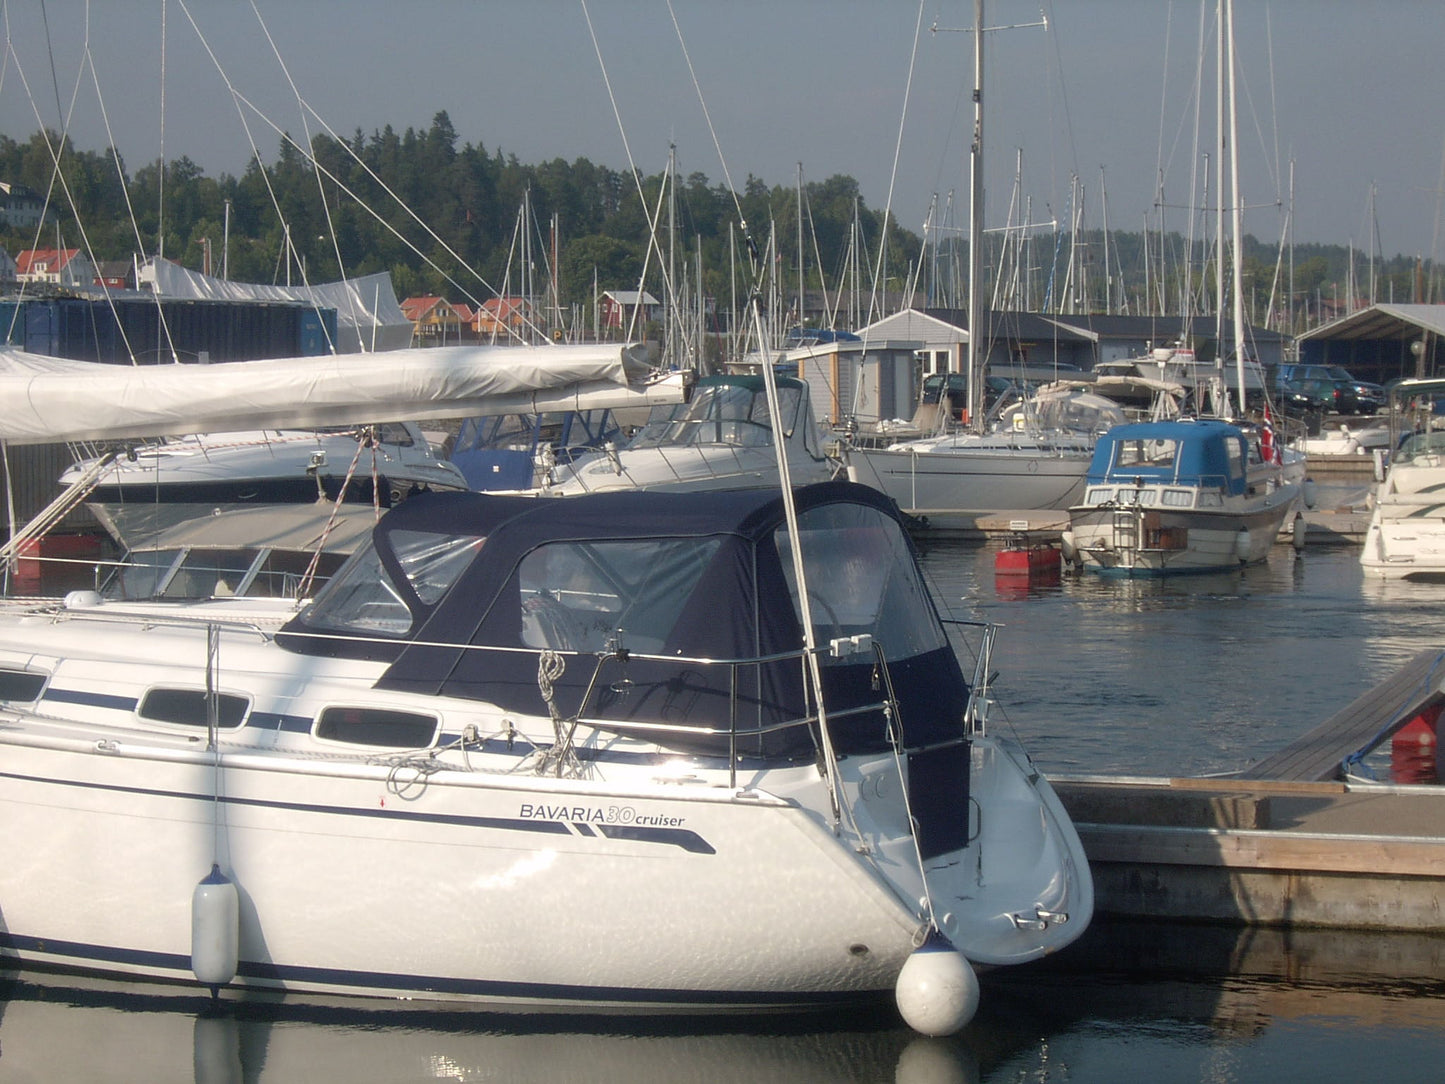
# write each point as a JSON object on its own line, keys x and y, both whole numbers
{"x": 1370, "y": 719}
{"x": 1336, "y": 527}
{"x": 1263, "y": 853}
{"x": 1289, "y": 842}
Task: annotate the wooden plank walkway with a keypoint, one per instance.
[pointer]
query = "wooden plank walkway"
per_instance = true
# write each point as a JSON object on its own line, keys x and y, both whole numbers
{"x": 1377, "y": 714}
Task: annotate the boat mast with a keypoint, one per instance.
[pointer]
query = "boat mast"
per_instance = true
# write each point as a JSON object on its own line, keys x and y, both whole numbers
{"x": 1237, "y": 214}
{"x": 802, "y": 283}
{"x": 975, "y": 218}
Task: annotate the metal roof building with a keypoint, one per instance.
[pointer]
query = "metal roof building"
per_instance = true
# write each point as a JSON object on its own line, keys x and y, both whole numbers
{"x": 1381, "y": 343}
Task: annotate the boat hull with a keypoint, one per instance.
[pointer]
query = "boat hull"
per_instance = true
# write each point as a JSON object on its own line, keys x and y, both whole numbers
{"x": 977, "y": 480}
{"x": 1405, "y": 538}
{"x": 384, "y": 881}
{"x": 1127, "y": 540}
{"x": 442, "y": 889}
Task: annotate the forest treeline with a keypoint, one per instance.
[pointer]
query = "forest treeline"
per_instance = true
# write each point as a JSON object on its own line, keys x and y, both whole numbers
{"x": 443, "y": 217}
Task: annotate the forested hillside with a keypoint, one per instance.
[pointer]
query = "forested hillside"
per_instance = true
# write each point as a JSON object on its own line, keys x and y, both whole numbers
{"x": 443, "y": 218}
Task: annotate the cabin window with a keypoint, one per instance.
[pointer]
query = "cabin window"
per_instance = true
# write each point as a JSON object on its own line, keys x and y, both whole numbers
{"x": 577, "y": 595}
{"x": 1235, "y": 451}
{"x": 861, "y": 579}
{"x": 1145, "y": 453}
{"x": 376, "y": 726}
{"x": 720, "y": 414}
{"x": 142, "y": 574}
{"x": 1178, "y": 498}
{"x": 187, "y": 707}
{"x": 21, "y": 686}
{"x": 208, "y": 572}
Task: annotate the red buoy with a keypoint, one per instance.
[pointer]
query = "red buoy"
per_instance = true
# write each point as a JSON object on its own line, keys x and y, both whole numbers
{"x": 1412, "y": 749}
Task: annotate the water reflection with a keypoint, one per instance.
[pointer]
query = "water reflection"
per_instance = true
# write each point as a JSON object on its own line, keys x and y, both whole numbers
{"x": 1185, "y": 675}
{"x": 93, "y": 1030}
{"x": 1138, "y": 1000}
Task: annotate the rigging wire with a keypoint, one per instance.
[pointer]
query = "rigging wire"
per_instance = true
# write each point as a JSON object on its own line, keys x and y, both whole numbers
{"x": 632, "y": 165}
{"x": 57, "y": 174}
{"x": 240, "y": 100}
{"x": 320, "y": 187}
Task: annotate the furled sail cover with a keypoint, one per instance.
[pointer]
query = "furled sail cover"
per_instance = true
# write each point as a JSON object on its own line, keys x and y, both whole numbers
{"x": 462, "y": 591}
{"x": 368, "y": 316}
{"x": 50, "y": 400}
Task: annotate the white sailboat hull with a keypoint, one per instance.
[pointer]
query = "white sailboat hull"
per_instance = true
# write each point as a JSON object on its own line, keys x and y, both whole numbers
{"x": 653, "y": 882}
{"x": 973, "y": 480}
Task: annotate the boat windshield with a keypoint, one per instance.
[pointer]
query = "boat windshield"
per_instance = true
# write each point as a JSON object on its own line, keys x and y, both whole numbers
{"x": 719, "y": 414}
{"x": 362, "y": 598}
{"x": 1418, "y": 445}
{"x": 1071, "y": 412}
{"x": 861, "y": 580}
{"x": 196, "y": 572}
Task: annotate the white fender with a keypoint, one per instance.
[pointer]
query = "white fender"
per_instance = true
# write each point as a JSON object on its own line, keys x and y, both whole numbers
{"x": 937, "y": 990}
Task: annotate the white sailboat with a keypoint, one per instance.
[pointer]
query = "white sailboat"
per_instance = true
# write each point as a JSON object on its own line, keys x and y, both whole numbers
{"x": 1036, "y": 464}
{"x": 257, "y": 453}
{"x": 720, "y": 739}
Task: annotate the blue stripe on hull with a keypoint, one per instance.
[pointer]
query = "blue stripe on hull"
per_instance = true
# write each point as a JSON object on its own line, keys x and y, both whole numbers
{"x": 684, "y": 838}
{"x": 106, "y": 958}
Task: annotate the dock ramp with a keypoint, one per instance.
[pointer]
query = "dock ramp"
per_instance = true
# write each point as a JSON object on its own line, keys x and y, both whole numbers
{"x": 1366, "y": 722}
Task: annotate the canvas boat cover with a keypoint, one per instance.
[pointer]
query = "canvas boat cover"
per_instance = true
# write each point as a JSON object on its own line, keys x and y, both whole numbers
{"x": 1191, "y": 452}
{"x": 52, "y": 400}
{"x": 459, "y": 592}
{"x": 368, "y": 316}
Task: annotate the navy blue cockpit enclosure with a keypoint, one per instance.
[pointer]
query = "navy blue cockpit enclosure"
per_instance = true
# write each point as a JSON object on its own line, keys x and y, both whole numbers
{"x": 672, "y": 617}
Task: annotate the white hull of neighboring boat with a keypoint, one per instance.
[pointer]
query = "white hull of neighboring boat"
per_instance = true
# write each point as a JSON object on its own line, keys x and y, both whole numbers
{"x": 1345, "y": 441}
{"x": 972, "y": 479}
{"x": 1143, "y": 542}
{"x": 1406, "y": 535}
{"x": 169, "y": 483}
{"x": 719, "y": 439}
{"x": 713, "y": 467}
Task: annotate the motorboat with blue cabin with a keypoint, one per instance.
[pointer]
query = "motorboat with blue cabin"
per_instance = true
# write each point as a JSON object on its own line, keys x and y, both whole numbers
{"x": 1190, "y": 495}
{"x": 633, "y": 751}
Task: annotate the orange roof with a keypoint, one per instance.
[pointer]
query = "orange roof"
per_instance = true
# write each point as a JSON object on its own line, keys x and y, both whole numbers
{"x": 502, "y": 307}
{"x": 417, "y": 307}
{"x": 54, "y": 259}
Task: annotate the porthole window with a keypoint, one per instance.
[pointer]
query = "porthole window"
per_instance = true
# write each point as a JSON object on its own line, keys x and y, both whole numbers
{"x": 187, "y": 707}
{"x": 376, "y": 726}
{"x": 21, "y": 686}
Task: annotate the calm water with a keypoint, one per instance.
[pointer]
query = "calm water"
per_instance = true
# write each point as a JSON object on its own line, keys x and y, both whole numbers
{"x": 1163, "y": 677}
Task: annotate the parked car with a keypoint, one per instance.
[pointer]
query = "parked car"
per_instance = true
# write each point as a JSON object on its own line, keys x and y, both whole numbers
{"x": 1300, "y": 397}
{"x": 1348, "y": 395}
{"x": 1369, "y": 398}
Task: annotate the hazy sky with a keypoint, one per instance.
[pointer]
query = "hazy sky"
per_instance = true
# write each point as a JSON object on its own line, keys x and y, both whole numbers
{"x": 1348, "y": 91}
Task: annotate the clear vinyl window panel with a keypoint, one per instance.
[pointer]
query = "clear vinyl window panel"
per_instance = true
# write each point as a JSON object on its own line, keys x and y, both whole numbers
{"x": 576, "y": 596}
{"x": 861, "y": 580}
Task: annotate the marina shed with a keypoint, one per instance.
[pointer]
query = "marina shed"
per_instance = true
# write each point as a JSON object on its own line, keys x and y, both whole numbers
{"x": 873, "y": 381}
{"x": 1120, "y": 337}
{"x": 1380, "y": 343}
